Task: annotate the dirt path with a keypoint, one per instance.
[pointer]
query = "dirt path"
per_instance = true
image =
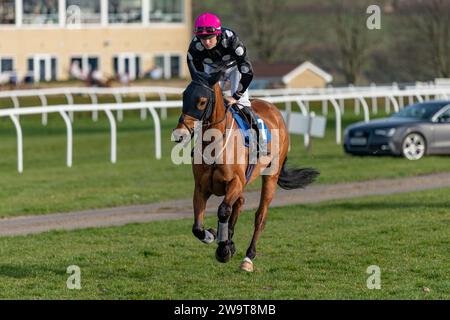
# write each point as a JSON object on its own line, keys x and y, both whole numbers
{"x": 183, "y": 208}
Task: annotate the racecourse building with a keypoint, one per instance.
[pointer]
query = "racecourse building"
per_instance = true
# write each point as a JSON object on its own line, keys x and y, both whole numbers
{"x": 46, "y": 40}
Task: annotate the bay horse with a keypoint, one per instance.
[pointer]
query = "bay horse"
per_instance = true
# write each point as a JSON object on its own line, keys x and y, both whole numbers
{"x": 203, "y": 103}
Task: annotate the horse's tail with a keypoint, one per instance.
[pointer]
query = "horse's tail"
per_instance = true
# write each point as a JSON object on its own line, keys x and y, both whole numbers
{"x": 296, "y": 178}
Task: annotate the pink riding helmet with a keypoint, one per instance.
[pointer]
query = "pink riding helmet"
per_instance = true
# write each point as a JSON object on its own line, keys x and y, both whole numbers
{"x": 207, "y": 24}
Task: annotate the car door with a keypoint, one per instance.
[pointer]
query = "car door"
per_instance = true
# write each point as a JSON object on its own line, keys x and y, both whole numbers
{"x": 441, "y": 129}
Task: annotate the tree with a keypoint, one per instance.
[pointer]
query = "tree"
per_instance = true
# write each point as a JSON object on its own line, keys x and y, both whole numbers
{"x": 431, "y": 26}
{"x": 351, "y": 38}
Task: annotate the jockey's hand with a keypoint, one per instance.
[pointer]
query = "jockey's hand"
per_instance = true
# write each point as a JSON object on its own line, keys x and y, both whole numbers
{"x": 231, "y": 100}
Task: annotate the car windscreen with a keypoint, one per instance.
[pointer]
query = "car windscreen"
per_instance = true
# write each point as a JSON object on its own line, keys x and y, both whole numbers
{"x": 421, "y": 111}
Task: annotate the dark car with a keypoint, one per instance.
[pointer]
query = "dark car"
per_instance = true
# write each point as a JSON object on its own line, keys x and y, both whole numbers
{"x": 416, "y": 130}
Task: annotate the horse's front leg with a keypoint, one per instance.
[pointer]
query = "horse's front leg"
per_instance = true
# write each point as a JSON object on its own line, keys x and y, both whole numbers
{"x": 234, "y": 190}
{"x": 200, "y": 199}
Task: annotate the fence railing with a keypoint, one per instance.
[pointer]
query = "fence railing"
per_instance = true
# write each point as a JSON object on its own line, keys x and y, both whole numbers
{"x": 63, "y": 110}
{"x": 394, "y": 97}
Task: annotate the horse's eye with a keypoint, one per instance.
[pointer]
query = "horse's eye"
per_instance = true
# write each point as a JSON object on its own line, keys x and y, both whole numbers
{"x": 202, "y": 103}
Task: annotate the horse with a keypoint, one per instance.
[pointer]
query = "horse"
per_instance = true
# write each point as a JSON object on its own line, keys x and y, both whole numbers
{"x": 203, "y": 104}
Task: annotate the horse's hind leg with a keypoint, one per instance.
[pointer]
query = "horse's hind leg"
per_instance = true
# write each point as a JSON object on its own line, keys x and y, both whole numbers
{"x": 267, "y": 192}
{"x": 200, "y": 199}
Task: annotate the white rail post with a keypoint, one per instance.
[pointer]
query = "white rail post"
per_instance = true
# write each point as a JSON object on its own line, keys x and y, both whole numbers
{"x": 357, "y": 106}
{"x": 43, "y": 104}
{"x": 112, "y": 123}
{"x": 118, "y": 99}
{"x": 387, "y": 105}
{"x": 366, "y": 109}
{"x": 16, "y": 103}
{"x": 69, "y": 137}
{"x": 288, "y": 106}
{"x": 16, "y": 122}
{"x": 342, "y": 105}
{"x": 69, "y": 99}
{"x": 373, "y": 87}
{"x": 142, "y": 98}
{"x": 94, "y": 100}
{"x": 324, "y": 107}
{"x": 394, "y": 103}
{"x": 338, "y": 121}
{"x": 304, "y": 111}
{"x": 163, "y": 97}
{"x": 157, "y": 124}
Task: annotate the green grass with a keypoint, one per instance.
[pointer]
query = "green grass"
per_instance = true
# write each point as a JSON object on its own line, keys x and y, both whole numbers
{"x": 318, "y": 251}
{"x": 48, "y": 186}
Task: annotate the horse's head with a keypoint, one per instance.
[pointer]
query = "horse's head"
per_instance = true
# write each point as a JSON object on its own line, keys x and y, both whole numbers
{"x": 198, "y": 103}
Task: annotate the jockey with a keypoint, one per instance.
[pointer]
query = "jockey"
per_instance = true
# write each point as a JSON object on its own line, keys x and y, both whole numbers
{"x": 214, "y": 47}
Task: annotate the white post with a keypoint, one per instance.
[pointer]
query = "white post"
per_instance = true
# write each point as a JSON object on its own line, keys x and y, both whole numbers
{"x": 44, "y": 104}
{"x": 324, "y": 107}
{"x": 157, "y": 131}
{"x": 104, "y": 12}
{"x": 69, "y": 98}
{"x": 19, "y": 13}
{"x": 143, "y": 110}
{"x": 146, "y": 12}
{"x": 394, "y": 103}
{"x": 118, "y": 99}
{"x": 338, "y": 120}
{"x": 69, "y": 137}
{"x": 112, "y": 123}
{"x": 305, "y": 112}
{"x": 94, "y": 100}
{"x": 288, "y": 106}
{"x": 163, "y": 97}
{"x": 366, "y": 109}
{"x": 62, "y": 13}
{"x": 19, "y": 143}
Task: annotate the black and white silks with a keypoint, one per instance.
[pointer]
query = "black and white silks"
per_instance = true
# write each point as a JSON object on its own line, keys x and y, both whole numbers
{"x": 229, "y": 52}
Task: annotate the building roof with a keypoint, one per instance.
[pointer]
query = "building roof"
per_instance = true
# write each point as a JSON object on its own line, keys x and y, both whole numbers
{"x": 287, "y": 71}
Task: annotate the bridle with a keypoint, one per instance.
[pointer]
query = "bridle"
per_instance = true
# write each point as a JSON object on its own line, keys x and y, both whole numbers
{"x": 207, "y": 112}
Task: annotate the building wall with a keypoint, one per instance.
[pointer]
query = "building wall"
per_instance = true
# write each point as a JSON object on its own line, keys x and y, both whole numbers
{"x": 100, "y": 41}
{"x": 307, "y": 79}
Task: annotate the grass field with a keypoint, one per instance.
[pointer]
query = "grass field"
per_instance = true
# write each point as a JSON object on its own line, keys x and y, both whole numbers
{"x": 47, "y": 185}
{"x": 316, "y": 251}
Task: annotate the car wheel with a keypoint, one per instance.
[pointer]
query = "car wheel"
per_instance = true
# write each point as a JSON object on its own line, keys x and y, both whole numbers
{"x": 414, "y": 146}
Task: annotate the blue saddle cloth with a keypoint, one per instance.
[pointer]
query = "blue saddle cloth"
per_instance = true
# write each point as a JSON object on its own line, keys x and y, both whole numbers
{"x": 244, "y": 127}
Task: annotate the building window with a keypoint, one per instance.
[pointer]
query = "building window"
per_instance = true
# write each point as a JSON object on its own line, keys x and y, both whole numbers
{"x": 170, "y": 65}
{"x": 166, "y": 10}
{"x": 40, "y": 12}
{"x": 125, "y": 11}
{"x": 83, "y": 11}
{"x": 6, "y": 65}
{"x": 127, "y": 66}
{"x": 174, "y": 66}
{"x": 43, "y": 68}
{"x": 81, "y": 66}
{"x": 7, "y": 12}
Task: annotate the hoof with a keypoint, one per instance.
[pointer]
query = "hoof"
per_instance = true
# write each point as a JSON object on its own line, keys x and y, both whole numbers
{"x": 223, "y": 253}
{"x": 210, "y": 236}
{"x": 213, "y": 232}
{"x": 247, "y": 265}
